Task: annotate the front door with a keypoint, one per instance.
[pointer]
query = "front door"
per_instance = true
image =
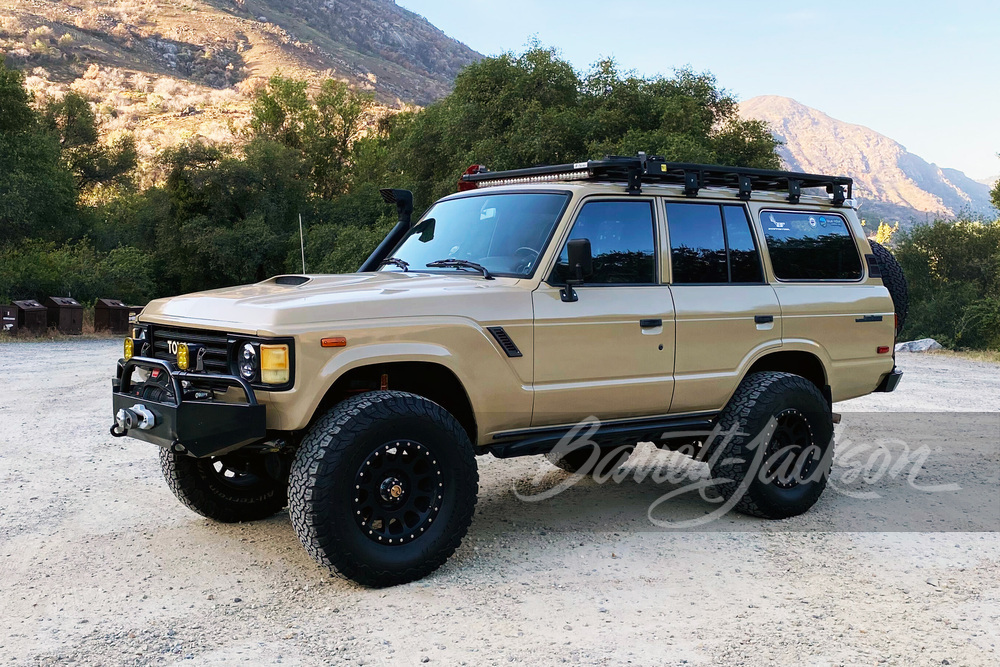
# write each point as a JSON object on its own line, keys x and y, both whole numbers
{"x": 610, "y": 353}
{"x": 726, "y": 313}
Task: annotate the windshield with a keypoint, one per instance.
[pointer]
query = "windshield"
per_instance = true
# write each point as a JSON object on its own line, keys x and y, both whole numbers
{"x": 505, "y": 233}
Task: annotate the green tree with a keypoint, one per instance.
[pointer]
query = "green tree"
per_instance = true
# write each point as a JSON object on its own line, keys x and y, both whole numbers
{"x": 953, "y": 270}
{"x": 73, "y": 121}
{"x": 37, "y": 197}
{"x": 323, "y": 127}
{"x": 521, "y": 110}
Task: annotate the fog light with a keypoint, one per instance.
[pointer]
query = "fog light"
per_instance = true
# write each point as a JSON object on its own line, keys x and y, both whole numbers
{"x": 183, "y": 356}
{"x": 129, "y": 348}
{"x": 274, "y": 364}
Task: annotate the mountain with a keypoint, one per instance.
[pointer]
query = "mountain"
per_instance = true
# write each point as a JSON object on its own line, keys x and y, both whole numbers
{"x": 889, "y": 181}
{"x": 172, "y": 70}
{"x": 372, "y": 43}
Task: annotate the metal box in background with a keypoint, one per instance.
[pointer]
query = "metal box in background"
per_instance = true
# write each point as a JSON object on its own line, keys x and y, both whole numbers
{"x": 65, "y": 314}
{"x": 8, "y": 320}
{"x": 114, "y": 316}
{"x": 31, "y": 316}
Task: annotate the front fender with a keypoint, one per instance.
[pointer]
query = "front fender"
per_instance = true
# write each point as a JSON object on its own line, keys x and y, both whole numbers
{"x": 495, "y": 384}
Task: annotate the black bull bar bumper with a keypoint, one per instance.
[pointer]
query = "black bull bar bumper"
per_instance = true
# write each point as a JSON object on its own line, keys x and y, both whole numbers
{"x": 202, "y": 428}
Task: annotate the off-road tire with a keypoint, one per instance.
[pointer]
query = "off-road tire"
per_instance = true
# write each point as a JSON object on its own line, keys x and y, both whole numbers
{"x": 578, "y": 460}
{"x": 894, "y": 281}
{"x": 758, "y": 398}
{"x": 323, "y": 485}
{"x": 203, "y": 489}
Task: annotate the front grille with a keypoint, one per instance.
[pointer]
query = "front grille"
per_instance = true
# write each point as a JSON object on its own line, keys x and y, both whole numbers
{"x": 216, "y": 346}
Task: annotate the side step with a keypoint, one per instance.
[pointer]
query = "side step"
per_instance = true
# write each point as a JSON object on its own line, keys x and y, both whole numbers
{"x": 657, "y": 429}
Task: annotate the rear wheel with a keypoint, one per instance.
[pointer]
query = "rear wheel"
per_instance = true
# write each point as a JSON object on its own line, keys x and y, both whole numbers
{"x": 231, "y": 488}
{"x": 777, "y": 466}
{"x": 383, "y": 488}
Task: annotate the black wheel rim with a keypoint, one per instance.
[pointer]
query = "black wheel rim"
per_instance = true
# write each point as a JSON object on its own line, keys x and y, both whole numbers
{"x": 398, "y": 491}
{"x": 242, "y": 472}
{"x": 791, "y": 457}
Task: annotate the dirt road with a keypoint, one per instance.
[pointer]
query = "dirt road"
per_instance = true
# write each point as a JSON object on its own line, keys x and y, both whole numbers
{"x": 100, "y": 565}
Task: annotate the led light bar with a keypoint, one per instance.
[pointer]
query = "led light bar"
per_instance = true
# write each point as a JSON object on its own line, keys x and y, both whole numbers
{"x": 548, "y": 178}
{"x": 633, "y": 171}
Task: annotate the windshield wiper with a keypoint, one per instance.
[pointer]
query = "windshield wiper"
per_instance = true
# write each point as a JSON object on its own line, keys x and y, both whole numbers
{"x": 461, "y": 264}
{"x": 395, "y": 261}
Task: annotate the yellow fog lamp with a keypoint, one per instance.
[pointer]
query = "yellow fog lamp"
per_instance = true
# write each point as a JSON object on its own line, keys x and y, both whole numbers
{"x": 129, "y": 349}
{"x": 183, "y": 356}
{"x": 275, "y": 366}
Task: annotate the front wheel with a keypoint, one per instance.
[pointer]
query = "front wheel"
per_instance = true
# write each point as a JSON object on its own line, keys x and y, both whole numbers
{"x": 232, "y": 488}
{"x": 383, "y": 488}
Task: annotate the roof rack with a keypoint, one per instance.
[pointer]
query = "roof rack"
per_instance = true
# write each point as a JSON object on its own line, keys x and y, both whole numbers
{"x": 634, "y": 170}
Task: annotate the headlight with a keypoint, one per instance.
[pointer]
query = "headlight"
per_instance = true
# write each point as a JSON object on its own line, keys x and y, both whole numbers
{"x": 248, "y": 361}
{"x": 129, "y": 349}
{"x": 274, "y": 364}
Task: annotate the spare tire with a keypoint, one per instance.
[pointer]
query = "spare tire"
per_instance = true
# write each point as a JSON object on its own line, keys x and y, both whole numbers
{"x": 894, "y": 281}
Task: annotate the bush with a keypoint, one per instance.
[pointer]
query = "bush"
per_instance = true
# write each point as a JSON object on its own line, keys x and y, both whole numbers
{"x": 35, "y": 269}
{"x": 953, "y": 271}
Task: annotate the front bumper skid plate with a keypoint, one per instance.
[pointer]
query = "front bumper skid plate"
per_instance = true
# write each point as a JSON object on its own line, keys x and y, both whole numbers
{"x": 204, "y": 428}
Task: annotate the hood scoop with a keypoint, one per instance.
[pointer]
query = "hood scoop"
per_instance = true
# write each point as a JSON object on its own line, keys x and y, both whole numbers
{"x": 290, "y": 281}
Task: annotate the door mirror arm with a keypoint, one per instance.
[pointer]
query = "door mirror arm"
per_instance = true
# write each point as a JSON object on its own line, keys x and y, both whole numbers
{"x": 581, "y": 265}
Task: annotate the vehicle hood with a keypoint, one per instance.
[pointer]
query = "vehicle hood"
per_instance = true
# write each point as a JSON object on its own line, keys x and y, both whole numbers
{"x": 270, "y": 305}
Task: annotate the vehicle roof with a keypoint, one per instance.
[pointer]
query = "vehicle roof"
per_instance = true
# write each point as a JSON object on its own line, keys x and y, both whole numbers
{"x": 618, "y": 189}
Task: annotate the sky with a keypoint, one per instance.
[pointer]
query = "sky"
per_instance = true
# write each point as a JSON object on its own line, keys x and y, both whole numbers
{"x": 926, "y": 74}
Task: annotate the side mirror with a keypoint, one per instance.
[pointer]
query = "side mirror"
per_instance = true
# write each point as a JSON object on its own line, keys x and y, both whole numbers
{"x": 581, "y": 265}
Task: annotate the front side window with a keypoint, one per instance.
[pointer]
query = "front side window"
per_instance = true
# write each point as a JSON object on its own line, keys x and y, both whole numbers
{"x": 506, "y": 233}
{"x": 810, "y": 246}
{"x": 712, "y": 243}
{"x": 622, "y": 242}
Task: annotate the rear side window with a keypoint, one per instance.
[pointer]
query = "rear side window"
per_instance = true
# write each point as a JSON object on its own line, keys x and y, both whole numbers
{"x": 621, "y": 240}
{"x": 744, "y": 260}
{"x": 711, "y": 243}
{"x": 810, "y": 246}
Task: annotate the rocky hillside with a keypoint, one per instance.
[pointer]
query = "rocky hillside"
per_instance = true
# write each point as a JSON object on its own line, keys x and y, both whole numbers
{"x": 372, "y": 43}
{"x": 172, "y": 70}
{"x": 891, "y": 182}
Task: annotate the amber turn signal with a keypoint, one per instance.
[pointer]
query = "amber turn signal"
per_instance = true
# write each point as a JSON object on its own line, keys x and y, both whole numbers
{"x": 275, "y": 364}
{"x": 336, "y": 341}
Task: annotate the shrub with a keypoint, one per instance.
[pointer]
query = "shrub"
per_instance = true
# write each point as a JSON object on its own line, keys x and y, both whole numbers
{"x": 954, "y": 274}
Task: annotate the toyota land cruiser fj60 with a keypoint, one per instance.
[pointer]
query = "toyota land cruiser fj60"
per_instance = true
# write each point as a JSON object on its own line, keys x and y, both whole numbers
{"x": 658, "y": 300}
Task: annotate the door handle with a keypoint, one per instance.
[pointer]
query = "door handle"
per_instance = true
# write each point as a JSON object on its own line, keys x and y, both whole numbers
{"x": 650, "y": 323}
{"x": 869, "y": 318}
{"x": 763, "y": 319}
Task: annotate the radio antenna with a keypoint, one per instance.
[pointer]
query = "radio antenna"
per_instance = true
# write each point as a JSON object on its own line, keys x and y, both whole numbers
{"x": 302, "y": 244}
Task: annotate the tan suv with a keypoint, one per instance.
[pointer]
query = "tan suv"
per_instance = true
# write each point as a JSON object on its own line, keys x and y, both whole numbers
{"x": 719, "y": 308}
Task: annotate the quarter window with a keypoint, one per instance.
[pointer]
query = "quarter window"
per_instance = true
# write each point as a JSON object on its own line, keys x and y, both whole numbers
{"x": 621, "y": 240}
{"x": 810, "y": 246}
{"x": 711, "y": 243}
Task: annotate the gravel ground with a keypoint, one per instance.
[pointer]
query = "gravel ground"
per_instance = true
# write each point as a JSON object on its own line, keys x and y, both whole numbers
{"x": 100, "y": 565}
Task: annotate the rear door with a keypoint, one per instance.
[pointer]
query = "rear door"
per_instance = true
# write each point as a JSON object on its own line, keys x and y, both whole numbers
{"x": 610, "y": 353}
{"x": 726, "y": 313}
